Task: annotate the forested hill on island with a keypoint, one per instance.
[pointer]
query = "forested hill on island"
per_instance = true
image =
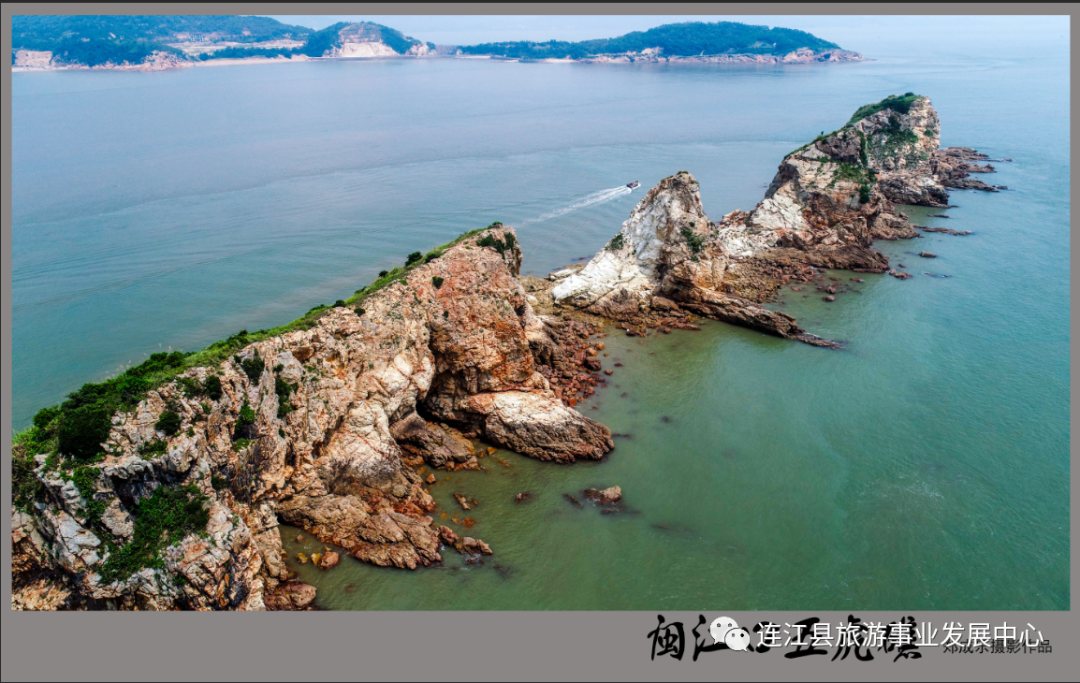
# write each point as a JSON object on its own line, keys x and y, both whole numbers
{"x": 151, "y": 42}
{"x": 691, "y": 39}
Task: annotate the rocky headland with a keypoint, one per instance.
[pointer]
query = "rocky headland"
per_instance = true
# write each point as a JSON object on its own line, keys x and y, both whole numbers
{"x": 178, "y": 506}
{"x": 829, "y": 201}
{"x": 163, "y": 488}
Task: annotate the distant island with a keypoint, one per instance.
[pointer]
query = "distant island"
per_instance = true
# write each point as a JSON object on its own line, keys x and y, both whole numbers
{"x": 689, "y": 39}
{"x": 151, "y": 42}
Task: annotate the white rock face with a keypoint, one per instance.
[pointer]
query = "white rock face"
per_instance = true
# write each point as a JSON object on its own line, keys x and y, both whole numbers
{"x": 782, "y": 211}
{"x": 33, "y": 59}
{"x": 365, "y": 49}
{"x": 607, "y": 272}
{"x": 617, "y": 280}
{"x": 78, "y": 547}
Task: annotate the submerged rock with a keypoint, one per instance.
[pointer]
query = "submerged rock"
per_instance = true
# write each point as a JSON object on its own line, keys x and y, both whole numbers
{"x": 463, "y": 502}
{"x": 946, "y": 231}
{"x": 574, "y": 501}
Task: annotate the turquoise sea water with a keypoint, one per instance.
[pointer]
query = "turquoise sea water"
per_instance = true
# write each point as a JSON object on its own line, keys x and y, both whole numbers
{"x": 926, "y": 466}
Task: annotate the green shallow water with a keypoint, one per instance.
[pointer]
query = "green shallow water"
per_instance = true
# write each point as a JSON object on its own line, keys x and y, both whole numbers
{"x": 925, "y": 466}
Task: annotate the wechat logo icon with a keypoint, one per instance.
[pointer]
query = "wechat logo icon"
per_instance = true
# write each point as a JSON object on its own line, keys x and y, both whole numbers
{"x": 725, "y": 630}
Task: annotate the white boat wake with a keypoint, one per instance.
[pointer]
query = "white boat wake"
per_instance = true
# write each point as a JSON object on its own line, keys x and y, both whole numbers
{"x": 588, "y": 200}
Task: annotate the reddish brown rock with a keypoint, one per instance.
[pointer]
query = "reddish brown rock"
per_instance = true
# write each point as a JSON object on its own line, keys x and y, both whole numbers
{"x": 290, "y": 595}
{"x": 475, "y": 546}
{"x": 447, "y": 536}
{"x": 329, "y": 560}
{"x": 437, "y": 445}
{"x": 608, "y": 496}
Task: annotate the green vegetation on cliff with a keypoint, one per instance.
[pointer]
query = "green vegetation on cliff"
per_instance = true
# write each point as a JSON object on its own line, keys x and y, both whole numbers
{"x": 73, "y": 431}
{"x": 895, "y": 134}
{"x": 244, "y": 52}
{"x": 900, "y": 104}
{"x": 164, "y": 518}
{"x": 319, "y": 42}
{"x": 71, "y": 434}
{"x": 674, "y": 40}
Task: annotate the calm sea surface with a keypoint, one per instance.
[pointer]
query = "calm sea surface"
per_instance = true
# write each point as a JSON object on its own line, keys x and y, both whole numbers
{"x": 924, "y": 467}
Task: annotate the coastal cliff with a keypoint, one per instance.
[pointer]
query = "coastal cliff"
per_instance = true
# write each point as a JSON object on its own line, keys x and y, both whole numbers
{"x": 163, "y": 488}
{"x": 178, "y": 506}
{"x": 829, "y": 201}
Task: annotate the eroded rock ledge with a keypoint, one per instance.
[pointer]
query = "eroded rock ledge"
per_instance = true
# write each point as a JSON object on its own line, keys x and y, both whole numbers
{"x": 311, "y": 428}
{"x": 828, "y": 202}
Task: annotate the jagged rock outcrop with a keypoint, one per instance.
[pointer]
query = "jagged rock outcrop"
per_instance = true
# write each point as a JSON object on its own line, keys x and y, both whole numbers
{"x": 668, "y": 248}
{"x": 309, "y": 429}
{"x": 437, "y": 444}
{"x": 953, "y": 166}
{"x": 828, "y": 202}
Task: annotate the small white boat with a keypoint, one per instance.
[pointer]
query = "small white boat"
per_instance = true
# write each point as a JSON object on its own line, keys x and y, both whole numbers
{"x": 633, "y": 184}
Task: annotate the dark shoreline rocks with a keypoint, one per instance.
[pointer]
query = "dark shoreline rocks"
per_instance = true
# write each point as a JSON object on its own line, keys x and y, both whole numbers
{"x": 946, "y": 231}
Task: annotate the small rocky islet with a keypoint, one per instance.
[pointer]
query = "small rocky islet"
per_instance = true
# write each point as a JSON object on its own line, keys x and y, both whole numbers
{"x": 330, "y": 425}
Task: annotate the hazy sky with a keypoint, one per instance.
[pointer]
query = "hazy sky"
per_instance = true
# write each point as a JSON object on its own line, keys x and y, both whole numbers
{"x": 868, "y": 34}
